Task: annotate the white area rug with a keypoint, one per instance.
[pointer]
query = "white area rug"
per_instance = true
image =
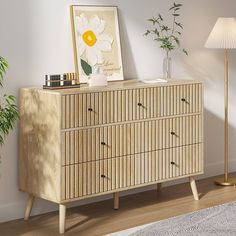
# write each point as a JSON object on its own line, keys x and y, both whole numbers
{"x": 217, "y": 221}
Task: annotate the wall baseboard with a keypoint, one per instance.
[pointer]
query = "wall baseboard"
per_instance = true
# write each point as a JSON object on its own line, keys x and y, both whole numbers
{"x": 15, "y": 210}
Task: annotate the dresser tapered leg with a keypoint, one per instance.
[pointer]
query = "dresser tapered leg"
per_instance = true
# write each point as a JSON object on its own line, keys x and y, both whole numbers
{"x": 159, "y": 187}
{"x": 116, "y": 200}
{"x": 29, "y": 206}
{"x": 194, "y": 188}
{"x": 62, "y": 218}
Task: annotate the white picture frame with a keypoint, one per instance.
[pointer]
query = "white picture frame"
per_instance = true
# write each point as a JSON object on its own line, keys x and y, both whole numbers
{"x": 96, "y": 41}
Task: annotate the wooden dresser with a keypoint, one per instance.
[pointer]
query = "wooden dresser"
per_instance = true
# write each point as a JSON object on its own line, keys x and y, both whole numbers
{"x": 81, "y": 143}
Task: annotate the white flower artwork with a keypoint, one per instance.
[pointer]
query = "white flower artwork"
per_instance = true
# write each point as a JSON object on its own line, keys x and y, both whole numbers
{"x": 91, "y": 38}
{"x": 96, "y": 41}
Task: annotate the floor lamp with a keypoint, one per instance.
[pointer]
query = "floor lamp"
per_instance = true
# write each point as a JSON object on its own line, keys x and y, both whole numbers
{"x": 223, "y": 36}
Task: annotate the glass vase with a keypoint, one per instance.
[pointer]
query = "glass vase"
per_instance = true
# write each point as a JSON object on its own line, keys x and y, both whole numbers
{"x": 167, "y": 64}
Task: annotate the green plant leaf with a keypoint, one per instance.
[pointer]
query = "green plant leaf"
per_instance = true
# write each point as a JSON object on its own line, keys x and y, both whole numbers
{"x": 155, "y": 31}
{"x": 8, "y": 116}
{"x": 160, "y": 17}
{"x": 167, "y": 37}
{"x": 86, "y": 67}
{"x": 165, "y": 28}
{"x": 153, "y": 20}
{"x": 147, "y": 33}
{"x": 185, "y": 52}
{"x": 178, "y": 4}
{"x": 179, "y": 24}
{"x": 176, "y": 40}
{"x": 175, "y": 6}
{"x": 3, "y": 68}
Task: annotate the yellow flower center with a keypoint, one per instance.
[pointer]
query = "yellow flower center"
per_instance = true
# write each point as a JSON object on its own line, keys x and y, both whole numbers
{"x": 89, "y": 38}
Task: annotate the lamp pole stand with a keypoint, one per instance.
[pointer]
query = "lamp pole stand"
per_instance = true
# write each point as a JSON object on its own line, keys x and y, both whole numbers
{"x": 226, "y": 181}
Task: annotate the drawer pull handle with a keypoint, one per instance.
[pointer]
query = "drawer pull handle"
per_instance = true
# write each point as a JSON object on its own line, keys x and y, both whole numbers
{"x": 103, "y": 143}
{"x": 172, "y": 133}
{"x": 140, "y": 104}
{"x": 90, "y": 109}
{"x": 172, "y": 163}
{"x": 184, "y": 100}
{"x": 103, "y": 176}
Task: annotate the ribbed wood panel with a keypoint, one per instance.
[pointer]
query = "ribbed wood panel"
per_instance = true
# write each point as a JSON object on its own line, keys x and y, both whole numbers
{"x": 93, "y": 144}
{"x": 134, "y": 104}
{"x": 119, "y": 173}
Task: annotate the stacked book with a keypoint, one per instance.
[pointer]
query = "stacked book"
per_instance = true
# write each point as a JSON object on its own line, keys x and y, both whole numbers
{"x": 67, "y": 80}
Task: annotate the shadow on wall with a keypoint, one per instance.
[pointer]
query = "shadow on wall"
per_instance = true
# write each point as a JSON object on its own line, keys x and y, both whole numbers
{"x": 213, "y": 137}
{"x": 232, "y": 79}
{"x": 204, "y": 65}
{"x": 208, "y": 66}
{"x": 128, "y": 60}
{"x": 196, "y": 72}
{"x": 214, "y": 140}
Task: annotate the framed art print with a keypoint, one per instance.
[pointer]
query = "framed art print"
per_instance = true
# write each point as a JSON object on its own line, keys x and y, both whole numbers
{"x": 96, "y": 41}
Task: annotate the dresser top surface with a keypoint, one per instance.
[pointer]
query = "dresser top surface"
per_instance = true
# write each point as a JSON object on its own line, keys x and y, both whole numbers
{"x": 117, "y": 85}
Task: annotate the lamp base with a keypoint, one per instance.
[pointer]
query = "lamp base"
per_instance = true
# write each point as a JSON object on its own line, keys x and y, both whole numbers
{"x": 222, "y": 182}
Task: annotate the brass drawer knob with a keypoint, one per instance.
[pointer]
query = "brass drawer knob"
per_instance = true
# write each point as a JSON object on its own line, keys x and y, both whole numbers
{"x": 103, "y": 176}
{"x": 90, "y": 109}
{"x": 103, "y": 143}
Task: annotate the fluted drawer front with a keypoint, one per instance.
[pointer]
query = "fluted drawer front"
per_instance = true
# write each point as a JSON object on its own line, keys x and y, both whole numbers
{"x": 168, "y": 163}
{"x": 119, "y": 140}
{"x": 168, "y": 101}
{"x": 97, "y": 177}
{"x": 118, "y": 173}
{"x": 88, "y": 109}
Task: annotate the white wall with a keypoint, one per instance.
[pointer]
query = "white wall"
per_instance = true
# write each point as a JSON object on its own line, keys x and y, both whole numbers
{"x": 35, "y": 37}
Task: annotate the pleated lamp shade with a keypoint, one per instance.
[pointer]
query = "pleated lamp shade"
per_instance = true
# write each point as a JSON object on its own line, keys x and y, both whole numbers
{"x": 223, "y": 35}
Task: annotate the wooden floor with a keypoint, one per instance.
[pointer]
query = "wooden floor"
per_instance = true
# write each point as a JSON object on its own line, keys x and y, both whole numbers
{"x": 100, "y": 218}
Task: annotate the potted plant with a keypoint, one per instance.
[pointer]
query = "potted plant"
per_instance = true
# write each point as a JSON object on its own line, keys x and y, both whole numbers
{"x": 168, "y": 37}
{"x": 8, "y": 108}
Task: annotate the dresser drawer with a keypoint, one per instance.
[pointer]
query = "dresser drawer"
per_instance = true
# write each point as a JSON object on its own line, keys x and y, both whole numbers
{"x": 92, "y": 144}
{"x": 168, "y": 163}
{"x": 97, "y": 177}
{"x": 168, "y": 101}
{"x": 89, "y": 109}
{"x": 119, "y": 173}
